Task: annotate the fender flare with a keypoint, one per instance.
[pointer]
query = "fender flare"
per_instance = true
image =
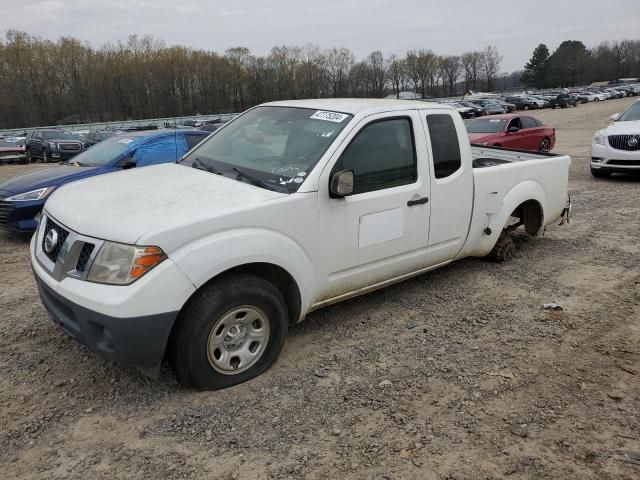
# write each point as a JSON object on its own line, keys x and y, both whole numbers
{"x": 201, "y": 262}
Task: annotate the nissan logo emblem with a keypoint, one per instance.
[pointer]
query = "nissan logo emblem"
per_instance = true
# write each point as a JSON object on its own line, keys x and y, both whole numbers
{"x": 50, "y": 241}
{"x": 633, "y": 142}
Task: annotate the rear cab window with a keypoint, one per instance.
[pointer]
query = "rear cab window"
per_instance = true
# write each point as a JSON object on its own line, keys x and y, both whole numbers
{"x": 444, "y": 145}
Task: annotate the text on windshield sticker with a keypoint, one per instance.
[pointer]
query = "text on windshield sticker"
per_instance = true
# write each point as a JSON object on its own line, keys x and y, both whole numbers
{"x": 329, "y": 116}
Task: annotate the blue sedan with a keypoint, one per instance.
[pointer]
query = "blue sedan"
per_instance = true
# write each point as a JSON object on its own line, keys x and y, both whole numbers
{"x": 22, "y": 197}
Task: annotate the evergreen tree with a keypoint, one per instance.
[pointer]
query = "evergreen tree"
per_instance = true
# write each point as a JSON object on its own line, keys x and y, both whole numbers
{"x": 536, "y": 70}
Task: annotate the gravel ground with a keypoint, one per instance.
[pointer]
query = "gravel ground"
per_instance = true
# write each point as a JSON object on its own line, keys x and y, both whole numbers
{"x": 487, "y": 385}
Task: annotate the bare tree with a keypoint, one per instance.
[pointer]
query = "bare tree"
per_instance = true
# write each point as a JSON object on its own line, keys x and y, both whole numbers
{"x": 491, "y": 60}
{"x": 338, "y": 62}
{"x": 451, "y": 68}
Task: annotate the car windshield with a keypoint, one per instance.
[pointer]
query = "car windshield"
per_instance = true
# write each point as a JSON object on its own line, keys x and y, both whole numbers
{"x": 103, "y": 153}
{"x": 631, "y": 114}
{"x": 55, "y": 134}
{"x": 481, "y": 125}
{"x": 270, "y": 147}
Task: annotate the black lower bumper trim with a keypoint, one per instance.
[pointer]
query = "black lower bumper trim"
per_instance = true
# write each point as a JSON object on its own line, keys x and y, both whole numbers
{"x": 139, "y": 341}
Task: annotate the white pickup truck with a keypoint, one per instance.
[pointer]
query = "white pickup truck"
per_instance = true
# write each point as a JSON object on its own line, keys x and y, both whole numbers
{"x": 288, "y": 208}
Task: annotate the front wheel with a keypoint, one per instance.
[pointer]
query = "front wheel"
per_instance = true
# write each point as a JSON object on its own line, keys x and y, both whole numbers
{"x": 231, "y": 332}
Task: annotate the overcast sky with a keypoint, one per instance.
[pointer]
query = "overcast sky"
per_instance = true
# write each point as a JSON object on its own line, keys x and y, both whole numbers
{"x": 445, "y": 26}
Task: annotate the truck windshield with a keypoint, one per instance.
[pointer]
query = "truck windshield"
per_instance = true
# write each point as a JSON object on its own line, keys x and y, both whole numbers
{"x": 492, "y": 125}
{"x": 270, "y": 147}
{"x": 631, "y": 114}
{"x": 103, "y": 153}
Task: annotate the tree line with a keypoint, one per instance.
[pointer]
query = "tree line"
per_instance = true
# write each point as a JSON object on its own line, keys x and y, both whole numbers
{"x": 44, "y": 82}
{"x": 573, "y": 64}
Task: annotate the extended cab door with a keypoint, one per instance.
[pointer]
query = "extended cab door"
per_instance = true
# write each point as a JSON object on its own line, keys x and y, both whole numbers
{"x": 451, "y": 185}
{"x": 381, "y": 231}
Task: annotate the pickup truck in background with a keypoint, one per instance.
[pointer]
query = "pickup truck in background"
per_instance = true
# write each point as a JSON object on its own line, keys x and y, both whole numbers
{"x": 289, "y": 207}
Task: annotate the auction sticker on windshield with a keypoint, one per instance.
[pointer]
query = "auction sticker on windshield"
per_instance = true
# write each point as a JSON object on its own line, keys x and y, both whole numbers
{"x": 329, "y": 116}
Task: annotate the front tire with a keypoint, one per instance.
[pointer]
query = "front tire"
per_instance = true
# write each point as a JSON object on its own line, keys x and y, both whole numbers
{"x": 231, "y": 332}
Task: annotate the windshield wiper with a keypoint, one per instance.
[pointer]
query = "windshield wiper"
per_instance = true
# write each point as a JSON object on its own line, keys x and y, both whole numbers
{"x": 200, "y": 165}
{"x": 254, "y": 181}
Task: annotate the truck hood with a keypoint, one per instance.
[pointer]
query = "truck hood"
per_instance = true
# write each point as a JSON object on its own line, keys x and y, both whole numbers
{"x": 46, "y": 177}
{"x": 623, "y": 128}
{"x": 124, "y": 206}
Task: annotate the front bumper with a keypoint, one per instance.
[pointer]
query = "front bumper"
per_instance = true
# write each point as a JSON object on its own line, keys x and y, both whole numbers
{"x": 129, "y": 324}
{"x": 137, "y": 341}
{"x": 13, "y": 158}
{"x": 608, "y": 159}
{"x": 18, "y": 217}
{"x": 64, "y": 154}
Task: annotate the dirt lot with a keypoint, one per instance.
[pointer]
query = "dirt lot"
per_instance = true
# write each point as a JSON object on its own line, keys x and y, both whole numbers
{"x": 488, "y": 385}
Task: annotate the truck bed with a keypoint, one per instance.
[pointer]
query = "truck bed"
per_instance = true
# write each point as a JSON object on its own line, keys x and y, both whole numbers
{"x": 484, "y": 157}
{"x": 503, "y": 179}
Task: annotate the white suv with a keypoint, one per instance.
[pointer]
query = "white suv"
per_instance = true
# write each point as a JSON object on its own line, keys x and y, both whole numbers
{"x": 617, "y": 147}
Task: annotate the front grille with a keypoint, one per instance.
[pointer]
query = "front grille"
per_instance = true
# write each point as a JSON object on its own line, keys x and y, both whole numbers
{"x": 68, "y": 146}
{"x": 85, "y": 255}
{"x": 630, "y": 163}
{"x": 629, "y": 143}
{"x": 62, "y": 235}
{"x": 5, "y": 210}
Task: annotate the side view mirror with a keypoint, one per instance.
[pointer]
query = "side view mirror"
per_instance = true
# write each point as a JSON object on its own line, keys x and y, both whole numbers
{"x": 614, "y": 117}
{"x": 513, "y": 130}
{"x": 341, "y": 184}
{"x": 126, "y": 162}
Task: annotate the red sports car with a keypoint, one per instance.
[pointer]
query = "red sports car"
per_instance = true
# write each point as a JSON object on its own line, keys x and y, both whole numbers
{"x": 520, "y": 132}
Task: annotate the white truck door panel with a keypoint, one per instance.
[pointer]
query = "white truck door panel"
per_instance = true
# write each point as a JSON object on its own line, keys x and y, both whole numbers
{"x": 451, "y": 185}
{"x": 381, "y": 227}
{"x": 372, "y": 236}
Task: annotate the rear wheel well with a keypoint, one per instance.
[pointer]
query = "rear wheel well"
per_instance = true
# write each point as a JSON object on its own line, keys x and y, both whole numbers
{"x": 274, "y": 274}
{"x": 530, "y": 215}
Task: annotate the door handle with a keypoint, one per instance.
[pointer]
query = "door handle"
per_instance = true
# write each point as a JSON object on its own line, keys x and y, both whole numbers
{"x": 419, "y": 201}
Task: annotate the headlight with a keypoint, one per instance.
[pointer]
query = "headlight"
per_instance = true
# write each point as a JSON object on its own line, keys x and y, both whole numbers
{"x": 598, "y": 139}
{"x": 120, "y": 264}
{"x": 32, "y": 195}
{"x": 51, "y": 145}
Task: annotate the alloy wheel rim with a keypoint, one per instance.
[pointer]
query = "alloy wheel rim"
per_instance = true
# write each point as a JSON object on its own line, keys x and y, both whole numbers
{"x": 238, "y": 339}
{"x": 545, "y": 146}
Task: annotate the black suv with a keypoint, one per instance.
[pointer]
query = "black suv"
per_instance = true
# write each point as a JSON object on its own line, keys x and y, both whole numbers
{"x": 52, "y": 145}
{"x": 563, "y": 101}
{"x": 522, "y": 103}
